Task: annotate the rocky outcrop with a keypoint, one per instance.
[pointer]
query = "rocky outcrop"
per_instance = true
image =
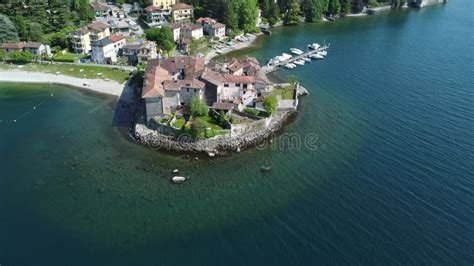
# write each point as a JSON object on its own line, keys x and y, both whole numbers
{"x": 220, "y": 145}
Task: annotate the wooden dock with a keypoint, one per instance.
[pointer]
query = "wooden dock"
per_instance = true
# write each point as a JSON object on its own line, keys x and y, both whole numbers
{"x": 270, "y": 68}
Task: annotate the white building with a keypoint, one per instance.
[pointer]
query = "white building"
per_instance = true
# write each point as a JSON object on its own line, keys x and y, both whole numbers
{"x": 106, "y": 51}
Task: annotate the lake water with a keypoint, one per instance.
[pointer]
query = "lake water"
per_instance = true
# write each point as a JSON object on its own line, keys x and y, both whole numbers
{"x": 389, "y": 182}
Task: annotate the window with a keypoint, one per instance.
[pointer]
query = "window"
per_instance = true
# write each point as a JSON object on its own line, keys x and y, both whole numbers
{"x": 195, "y": 90}
{"x": 226, "y": 85}
{"x": 238, "y": 84}
{"x": 187, "y": 89}
{"x": 245, "y": 86}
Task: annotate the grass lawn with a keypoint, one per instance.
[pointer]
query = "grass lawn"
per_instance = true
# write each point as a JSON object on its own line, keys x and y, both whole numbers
{"x": 67, "y": 57}
{"x": 179, "y": 123}
{"x": 211, "y": 123}
{"x": 286, "y": 93}
{"x": 78, "y": 71}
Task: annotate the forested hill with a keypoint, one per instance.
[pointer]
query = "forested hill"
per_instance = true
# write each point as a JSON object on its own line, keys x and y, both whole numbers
{"x": 33, "y": 18}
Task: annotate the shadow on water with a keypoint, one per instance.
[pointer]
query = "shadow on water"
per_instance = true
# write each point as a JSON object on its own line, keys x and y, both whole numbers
{"x": 128, "y": 103}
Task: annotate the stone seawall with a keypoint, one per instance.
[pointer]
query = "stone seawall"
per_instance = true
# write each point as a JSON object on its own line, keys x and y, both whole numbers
{"x": 220, "y": 145}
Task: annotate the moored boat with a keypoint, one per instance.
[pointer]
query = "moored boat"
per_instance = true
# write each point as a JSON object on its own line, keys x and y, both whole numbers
{"x": 299, "y": 62}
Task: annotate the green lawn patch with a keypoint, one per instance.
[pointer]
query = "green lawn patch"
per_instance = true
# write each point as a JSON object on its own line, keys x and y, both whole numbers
{"x": 179, "y": 123}
{"x": 67, "y": 57}
{"x": 286, "y": 93}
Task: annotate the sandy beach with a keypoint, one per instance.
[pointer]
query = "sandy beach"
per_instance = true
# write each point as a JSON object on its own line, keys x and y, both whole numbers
{"x": 97, "y": 85}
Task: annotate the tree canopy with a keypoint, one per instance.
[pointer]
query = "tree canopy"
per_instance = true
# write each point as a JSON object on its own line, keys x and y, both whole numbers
{"x": 198, "y": 107}
{"x": 162, "y": 36}
{"x": 7, "y": 30}
{"x": 270, "y": 103}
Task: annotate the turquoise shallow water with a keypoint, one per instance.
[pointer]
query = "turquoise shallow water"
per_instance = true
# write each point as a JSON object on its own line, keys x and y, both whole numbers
{"x": 391, "y": 181}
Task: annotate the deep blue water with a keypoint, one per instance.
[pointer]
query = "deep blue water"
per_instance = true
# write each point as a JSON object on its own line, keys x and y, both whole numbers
{"x": 390, "y": 183}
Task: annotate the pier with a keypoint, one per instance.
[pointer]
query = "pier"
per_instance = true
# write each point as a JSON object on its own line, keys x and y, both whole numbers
{"x": 272, "y": 67}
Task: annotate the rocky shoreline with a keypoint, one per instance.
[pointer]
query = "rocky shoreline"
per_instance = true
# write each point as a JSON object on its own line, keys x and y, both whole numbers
{"x": 217, "y": 146}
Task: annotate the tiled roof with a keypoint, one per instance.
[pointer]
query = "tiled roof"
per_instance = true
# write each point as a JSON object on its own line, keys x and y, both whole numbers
{"x": 35, "y": 45}
{"x": 11, "y": 45}
{"x": 218, "y": 25}
{"x": 219, "y": 78}
{"x": 158, "y": 75}
{"x": 98, "y": 26}
{"x": 97, "y": 6}
{"x": 223, "y": 106}
{"x": 81, "y": 31}
{"x": 116, "y": 38}
{"x": 206, "y": 21}
{"x": 150, "y": 9}
{"x": 181, "y": 6}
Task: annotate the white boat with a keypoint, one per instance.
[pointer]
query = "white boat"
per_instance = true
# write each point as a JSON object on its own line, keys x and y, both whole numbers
{"x": 323, "y": 53}
{"x": 287, "y": 55}
{"x": 314, "y": 46}
{"x": 299, "y": 62}
{"x": 178, "y": 179}
{"x": 296, "y": 51}
{"x": 290, "y": 66}
{"x": 317, "y": 56}
{"x": 306, "y": 59}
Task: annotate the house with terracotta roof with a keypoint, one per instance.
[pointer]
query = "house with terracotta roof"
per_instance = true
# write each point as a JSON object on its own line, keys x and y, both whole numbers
{"x": 11, "y": 47}
{"x": 182, "y": 12}
{"x": 106, "y": 51}
{"x": 155, "y": 15}
{"x": 139, "y": 52}
{"x": 221, "y": 87}
{"x": 212, "y": 28}
{"x": 171, "y": 83}
{"x": 35, "y": 48}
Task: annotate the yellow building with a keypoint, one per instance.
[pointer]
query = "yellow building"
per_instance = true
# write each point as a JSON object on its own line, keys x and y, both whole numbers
{"x": 164, "y": 4}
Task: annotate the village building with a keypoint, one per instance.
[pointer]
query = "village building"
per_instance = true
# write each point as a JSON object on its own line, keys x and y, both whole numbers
{"x": 101, "y": 10}
{"x": 183, "y": 31}
{"x": 212, "y": 28}
{"x": 164, "y": 4}
{"x": 139, "y": 52}
{"x": 171, "y": 83}
{"x": 98, "y": 30}
{"x": 80, "y": 41}
{"x": 82, "y": 38}
{"x": 156, "y": 16}
{"x": 182, "y": 12}
{"x": 37, "y": 48}
{"x": 222, "y": 87}
{"x": 106, "y": 51}
{"x": 11, "y": 47}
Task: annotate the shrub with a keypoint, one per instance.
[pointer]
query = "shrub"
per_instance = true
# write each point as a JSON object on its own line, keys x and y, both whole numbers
{"x": 270, "y": 104}
{"x": 198, "y": 107}
{"x": 251, "y": 111}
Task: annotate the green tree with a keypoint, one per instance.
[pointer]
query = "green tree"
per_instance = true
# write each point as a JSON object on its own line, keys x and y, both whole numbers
{"x": 334, "y": 7}
{"x": 270, "y": 104}
{"x": 346, "y": 6}
{"x": 7, "y": 30}
{"x": 198, "y": 107}
{"x": 35, "y": 32}
{"x": 162, "y": 36}
{"x": 293, "y": 15}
